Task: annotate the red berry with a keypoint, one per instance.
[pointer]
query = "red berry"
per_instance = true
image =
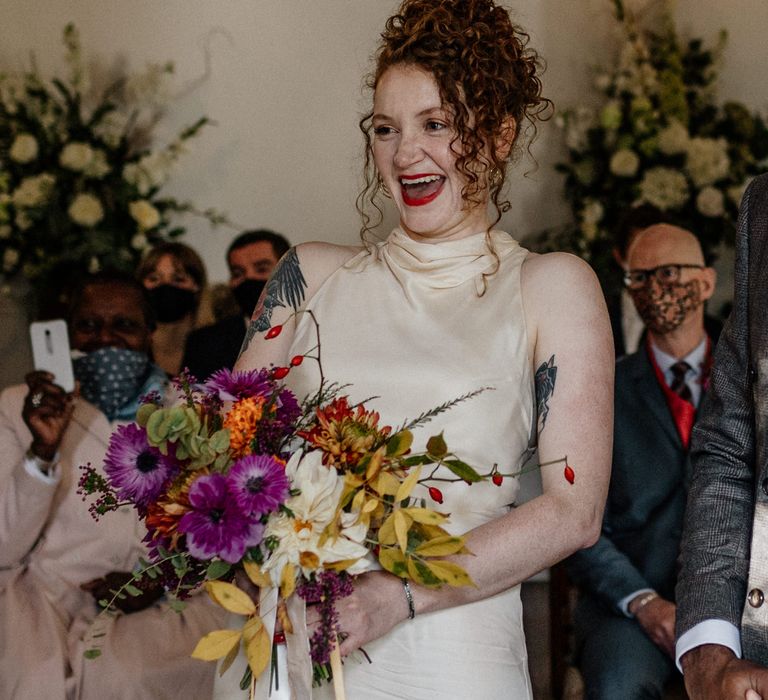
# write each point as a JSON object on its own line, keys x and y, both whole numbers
{"x": 279, "y": 638}
{"x": 569, "y": 474}
{"x": 297, "y": 360}
{"x": 497, "y": 479}
{"x": 273, "y": 332}
{"x": 435, "y": 494}
{"x": 280, "y": 372}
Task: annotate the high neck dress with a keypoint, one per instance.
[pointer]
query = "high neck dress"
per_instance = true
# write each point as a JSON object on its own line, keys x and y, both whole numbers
{"x": 407, "y": 327}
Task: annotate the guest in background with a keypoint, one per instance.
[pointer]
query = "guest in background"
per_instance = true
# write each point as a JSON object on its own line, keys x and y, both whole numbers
{"x": 174, "y": 275}
{"x": 55, "y": 560}
{"x": 251, "y": 258}
{"x": 625, "y": 617}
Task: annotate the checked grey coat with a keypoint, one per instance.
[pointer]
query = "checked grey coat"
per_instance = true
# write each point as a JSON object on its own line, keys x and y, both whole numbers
{"x": 724, "y": 554}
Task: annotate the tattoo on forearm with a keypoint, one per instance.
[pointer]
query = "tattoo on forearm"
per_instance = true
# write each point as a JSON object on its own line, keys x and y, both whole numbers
{"x": 285, "y": 288}
{"x": 544, "y": 381}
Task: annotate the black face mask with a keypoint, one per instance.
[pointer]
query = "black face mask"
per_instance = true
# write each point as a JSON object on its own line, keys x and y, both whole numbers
{"x": 171, "y": 303}
{"x": 247, "y": 295}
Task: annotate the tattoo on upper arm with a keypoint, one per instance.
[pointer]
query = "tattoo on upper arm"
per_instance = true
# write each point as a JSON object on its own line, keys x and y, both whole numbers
{"x": 286, "y": 287}
{"x": 544, "y": 381}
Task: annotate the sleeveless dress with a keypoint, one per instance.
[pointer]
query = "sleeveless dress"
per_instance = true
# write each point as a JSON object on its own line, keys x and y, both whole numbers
{"x": 406, "y": 324}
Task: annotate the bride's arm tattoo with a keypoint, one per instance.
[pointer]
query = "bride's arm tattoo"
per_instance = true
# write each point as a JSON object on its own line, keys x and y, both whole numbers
{"x": 544, "y": 381}
{"x": 285, "y": 288}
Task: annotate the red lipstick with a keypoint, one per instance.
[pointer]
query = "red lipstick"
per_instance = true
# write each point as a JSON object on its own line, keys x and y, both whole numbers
{"x": 427, "y": 190}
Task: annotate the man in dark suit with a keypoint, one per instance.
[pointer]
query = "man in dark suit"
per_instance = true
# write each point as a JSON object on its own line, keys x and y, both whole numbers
{"x": 626, "y": 612}
{"x": 722, "y": 625}
{"x": 251, "y": 258}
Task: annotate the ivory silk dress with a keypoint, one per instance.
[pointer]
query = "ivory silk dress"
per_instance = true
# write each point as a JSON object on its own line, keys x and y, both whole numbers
{"x": 406, "y": 324}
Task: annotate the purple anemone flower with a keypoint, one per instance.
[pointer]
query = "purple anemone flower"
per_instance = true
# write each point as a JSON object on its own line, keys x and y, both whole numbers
{"x": 136, "y": 470}
{"x": 258, "y": 484}
{"x": 232, "y": 386}
{"x": 216, "y": 526}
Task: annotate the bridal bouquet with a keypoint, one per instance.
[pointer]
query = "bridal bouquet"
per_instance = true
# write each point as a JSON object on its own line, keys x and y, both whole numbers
{"x": 239, "y": 481}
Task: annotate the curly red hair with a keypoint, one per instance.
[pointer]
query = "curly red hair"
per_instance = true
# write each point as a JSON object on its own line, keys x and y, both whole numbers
{"x": 486, "y": 74}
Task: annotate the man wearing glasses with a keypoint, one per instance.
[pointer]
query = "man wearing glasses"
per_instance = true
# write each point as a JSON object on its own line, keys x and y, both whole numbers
{"x": 625, "y": 618}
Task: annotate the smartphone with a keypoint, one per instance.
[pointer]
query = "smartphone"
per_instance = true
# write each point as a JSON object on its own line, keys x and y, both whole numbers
{"x": 51, "y": 353}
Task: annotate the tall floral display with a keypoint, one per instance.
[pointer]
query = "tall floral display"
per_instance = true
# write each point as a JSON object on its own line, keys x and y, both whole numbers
{"x": 80, "y": 180}
{"x": 659, "y": 138}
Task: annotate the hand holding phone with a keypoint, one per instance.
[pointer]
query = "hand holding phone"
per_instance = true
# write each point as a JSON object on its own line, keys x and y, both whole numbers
{"x": 51, "y": 353}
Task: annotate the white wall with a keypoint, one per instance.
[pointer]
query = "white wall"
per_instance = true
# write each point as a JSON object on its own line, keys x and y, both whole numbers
{"x": 284, "y": 86}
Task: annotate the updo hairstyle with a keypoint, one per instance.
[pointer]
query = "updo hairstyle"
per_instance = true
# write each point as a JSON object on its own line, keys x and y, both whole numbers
{"x": 485, "y": 73}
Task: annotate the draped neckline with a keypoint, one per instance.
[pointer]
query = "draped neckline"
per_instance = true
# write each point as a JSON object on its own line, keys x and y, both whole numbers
{"x": 448, "y": 263}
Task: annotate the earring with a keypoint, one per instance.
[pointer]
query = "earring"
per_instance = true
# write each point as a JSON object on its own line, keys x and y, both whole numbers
{"x": 494, "y": 179}
{"x": 383, "y": 188}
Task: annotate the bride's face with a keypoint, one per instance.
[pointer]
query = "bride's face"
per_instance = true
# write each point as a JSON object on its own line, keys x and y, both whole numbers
{"x": 412, "y": 135}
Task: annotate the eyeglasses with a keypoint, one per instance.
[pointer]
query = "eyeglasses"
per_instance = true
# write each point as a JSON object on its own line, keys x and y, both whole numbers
{"x": 664, "y": 274}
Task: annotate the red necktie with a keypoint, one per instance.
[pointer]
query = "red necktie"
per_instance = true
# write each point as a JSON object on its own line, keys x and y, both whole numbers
{"x": 683, "y": 411}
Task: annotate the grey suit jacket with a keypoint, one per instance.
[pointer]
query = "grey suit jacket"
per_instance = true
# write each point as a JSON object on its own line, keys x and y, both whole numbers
{"x": 725, "y": 541}
{"x": 643, "y": 518}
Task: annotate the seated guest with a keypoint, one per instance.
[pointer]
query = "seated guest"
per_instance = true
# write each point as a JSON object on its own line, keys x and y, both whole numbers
{"x": 251, "y": 257}
{"x": 174, "y": 275}
{"x": 625, "y": 617}
{"x": 55, "y": 560}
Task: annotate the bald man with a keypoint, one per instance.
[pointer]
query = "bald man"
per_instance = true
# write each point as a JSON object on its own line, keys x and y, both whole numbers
{"x": 625, "y": 618}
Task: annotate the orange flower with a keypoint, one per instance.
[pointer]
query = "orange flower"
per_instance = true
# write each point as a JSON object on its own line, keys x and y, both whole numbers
{"x": 345, "y": 434}
{"x": 163, "y": 515}
{"x": 242, "y": 421}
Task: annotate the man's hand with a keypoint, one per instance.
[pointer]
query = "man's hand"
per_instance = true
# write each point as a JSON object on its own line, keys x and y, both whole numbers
{"x": 102, "y": 588}
{"x": 657, "y": 618}
{"x": 47, "y": 411}
{"x": 712, "y": 672}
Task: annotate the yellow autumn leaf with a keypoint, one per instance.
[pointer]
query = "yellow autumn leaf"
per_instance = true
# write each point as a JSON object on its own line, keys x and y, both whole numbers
{"x": 393, "y": 561}
{"x": 230, "y": 597}
{"x": 426, "y": 515}
{"x": 342, "y": 565}
{"x": 407, "y": 486}
{"x": 258, "y": 650}
{"x": 309, "y": 560}
{"x": 441, "y": 546}
{"x": 387, "y": 484}
{"x": 353, "y": 480}
{"x": 371, "y": 505}
{"x": 374, "y": 466}
{"x": 287, "y": 581}
{"x": 402, "y": 524}
{"x": 217, "y": 644}
{"x": 254, "y": 572}
{"x": 251, "y": 627}
{"x": 387, "y": 531}
{"x": 450, "y": 573}
{"x": 229, "y": 659}
{"x": 358, "y": 500}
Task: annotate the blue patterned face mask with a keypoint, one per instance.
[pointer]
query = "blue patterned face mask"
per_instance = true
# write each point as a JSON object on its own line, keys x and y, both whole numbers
{"x": 111, "y": 377}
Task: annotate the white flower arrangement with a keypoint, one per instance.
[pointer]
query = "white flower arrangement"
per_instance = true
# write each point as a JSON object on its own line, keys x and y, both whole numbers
{"x": 79, "y": 186}
{"x": 659, "y": 138}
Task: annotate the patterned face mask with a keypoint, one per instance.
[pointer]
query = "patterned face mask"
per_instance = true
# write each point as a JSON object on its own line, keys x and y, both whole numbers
{"x": 111, "y": 377}
{"x": 664, "y": 307}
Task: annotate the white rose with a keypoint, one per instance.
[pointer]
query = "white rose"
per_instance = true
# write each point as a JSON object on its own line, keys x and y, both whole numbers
{"x": 149, "y": 172}
{"x": 24, "y": 148}
{"x": 5, "y": 232}
{"x": 664, "y": 188}
{"x": 33, "y": 191}
{"x": 673, "y": 139}
{"x": 593, "y": 212}
{"x": 98, "y": 167}
{"x": 10, "y": 259}
{"x": 86, "y": 210}
{"x": 112, "y": 128}
{"x": 94, "y": 265}
{"x": 139, "y": 241}
{"x": 22, "y": 221}
{"x": 76, "y": 156}
{"x": 711, "y": 202}
{"x": 144, "y": 214}
{"x": 624, "y": 163}
{"x": 707, "y": 160}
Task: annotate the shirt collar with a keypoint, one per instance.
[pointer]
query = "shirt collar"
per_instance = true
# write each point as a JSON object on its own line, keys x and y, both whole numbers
{"x": 695, "y": 358}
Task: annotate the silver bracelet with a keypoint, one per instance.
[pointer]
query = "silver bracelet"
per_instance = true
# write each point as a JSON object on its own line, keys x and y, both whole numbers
{"x": 409, "y": 598}
{"x": 643, "y": 600}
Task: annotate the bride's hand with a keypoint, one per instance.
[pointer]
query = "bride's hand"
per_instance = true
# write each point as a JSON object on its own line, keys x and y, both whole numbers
{"x": 375, "y": 606}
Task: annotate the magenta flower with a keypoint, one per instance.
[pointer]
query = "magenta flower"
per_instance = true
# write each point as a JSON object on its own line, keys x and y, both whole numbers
{"x": 258, "y": 484}
{"x": 216, "y": 526}
{"x": 137, "y": 471}
{"x": 232, "y": 386}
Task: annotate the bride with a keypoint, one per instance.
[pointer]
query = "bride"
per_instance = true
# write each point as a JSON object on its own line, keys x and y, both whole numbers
{"x": 444, "y": 306}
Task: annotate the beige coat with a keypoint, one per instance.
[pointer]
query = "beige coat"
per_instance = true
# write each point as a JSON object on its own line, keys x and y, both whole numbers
{"x": 49, "y": 546}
